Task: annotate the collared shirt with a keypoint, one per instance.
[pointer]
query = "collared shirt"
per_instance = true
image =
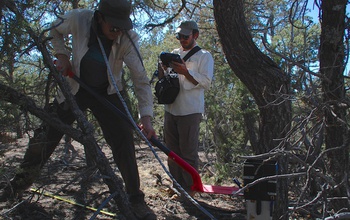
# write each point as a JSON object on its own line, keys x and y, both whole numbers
{"x": 190, "y": 99}
{"x": 77, "y": 23}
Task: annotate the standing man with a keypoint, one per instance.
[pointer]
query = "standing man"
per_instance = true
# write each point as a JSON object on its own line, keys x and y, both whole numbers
{"x": 112, "y": 25}
{"x": 183, "y": 116}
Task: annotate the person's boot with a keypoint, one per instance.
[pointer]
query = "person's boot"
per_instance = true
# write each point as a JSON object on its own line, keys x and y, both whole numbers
{"x": 141, "y": 209}
{"x": 22, "y": 181}
{"x": 7, "y": 193}
{"x": 10, "y": 192}
{"x": 29, "y": 169}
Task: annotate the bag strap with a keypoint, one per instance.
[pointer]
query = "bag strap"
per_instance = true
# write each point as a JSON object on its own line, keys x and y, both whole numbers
{"x": 192, "y": 51}
{"x": 137, "y": 51}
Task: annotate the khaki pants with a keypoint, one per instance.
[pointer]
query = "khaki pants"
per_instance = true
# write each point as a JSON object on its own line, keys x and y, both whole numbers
{"x": 181, "y": 136}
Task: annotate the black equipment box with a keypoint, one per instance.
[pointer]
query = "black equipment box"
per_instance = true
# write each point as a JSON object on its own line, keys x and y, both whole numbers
{"x": 256, "y": 169}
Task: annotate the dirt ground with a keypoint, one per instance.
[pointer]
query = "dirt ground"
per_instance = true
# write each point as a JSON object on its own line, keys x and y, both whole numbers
{"x": 69, "y": 190}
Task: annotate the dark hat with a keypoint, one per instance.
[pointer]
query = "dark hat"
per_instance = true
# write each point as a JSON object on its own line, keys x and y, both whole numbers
{"x": 186, "y": 27}
{"x": 116, "y": 12}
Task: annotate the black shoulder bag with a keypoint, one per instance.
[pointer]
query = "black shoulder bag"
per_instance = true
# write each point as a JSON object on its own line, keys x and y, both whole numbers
{"x": 167, "y": 88}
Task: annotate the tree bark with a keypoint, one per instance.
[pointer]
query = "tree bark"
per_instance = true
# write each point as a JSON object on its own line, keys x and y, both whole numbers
{"x": 268, "y": 84}
{"x": 332, "y": 64}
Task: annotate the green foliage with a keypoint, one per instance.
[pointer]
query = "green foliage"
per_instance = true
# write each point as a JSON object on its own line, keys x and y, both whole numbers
{"x": 21, "y": 68}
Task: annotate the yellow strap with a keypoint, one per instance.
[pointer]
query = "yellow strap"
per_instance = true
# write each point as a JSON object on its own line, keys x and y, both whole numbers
{"x": 71, "y": 202}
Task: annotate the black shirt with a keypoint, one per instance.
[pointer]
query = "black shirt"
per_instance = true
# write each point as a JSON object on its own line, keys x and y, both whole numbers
{"x": 93, "y": 68}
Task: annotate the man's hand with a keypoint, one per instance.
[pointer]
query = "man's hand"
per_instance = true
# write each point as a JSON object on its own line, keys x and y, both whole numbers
{"x": 146, "y": 127}
{"x": 161, "y": 69}
{"x": 180, "y": 68}
{"x": 63, "y": 64}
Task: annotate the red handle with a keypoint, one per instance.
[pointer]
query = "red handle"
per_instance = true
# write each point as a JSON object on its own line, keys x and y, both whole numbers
{"x": 197, "y": 182}
{"x": 70, "y": 73}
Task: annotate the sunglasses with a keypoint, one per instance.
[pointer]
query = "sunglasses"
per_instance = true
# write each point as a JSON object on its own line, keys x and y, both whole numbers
{"x": 185, "y": 37}
{"x": 115, "y": 29}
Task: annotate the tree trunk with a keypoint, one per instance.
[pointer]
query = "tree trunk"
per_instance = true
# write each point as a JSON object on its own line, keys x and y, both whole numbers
{"x": 265, "y": 81}
{"x": 332, "y": 67}
{"x": 250, "y": 124}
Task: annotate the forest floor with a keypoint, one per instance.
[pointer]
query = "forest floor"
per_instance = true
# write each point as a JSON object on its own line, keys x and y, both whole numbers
{"x": 66, "y": 184}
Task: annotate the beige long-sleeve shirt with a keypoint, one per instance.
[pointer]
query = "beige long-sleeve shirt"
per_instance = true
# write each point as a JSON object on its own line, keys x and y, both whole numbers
{"x": 77, "y": 24}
